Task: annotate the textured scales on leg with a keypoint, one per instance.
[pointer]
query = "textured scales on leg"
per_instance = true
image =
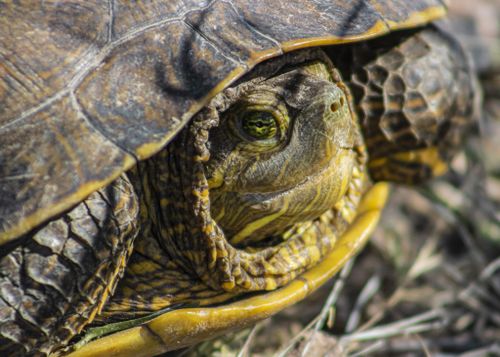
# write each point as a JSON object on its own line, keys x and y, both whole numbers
{"x": 414, "y": 97}
{"x": 58, "y": 277}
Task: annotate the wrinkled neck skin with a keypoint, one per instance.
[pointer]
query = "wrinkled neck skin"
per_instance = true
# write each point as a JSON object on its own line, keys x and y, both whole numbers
{"x": 238, "y": 214}
{"x": 243, "y": 202}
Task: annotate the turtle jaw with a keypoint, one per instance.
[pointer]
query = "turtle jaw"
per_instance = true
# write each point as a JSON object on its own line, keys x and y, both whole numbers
{"x": 309, "y": 199}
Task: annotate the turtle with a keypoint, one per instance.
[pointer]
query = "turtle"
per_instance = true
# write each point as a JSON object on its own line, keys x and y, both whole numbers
{"x": 191, "y": 167}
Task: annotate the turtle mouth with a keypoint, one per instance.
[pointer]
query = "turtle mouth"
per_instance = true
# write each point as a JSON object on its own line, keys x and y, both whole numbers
{"x": 327, "y": 169}
{"x": 281, "y": 210}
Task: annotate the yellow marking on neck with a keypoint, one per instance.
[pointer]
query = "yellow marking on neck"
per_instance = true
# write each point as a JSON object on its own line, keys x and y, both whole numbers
{"x": 312, "y": 203}
{"x": 270, "y": 284}
{"x": 164, "y": 202}
{"x": 217, "y": 179}
{"x": 200, "y": 193}
{"x": 220, "y": 215}
{"x": 228, "y": 285}
{"x": 159, "y": 302}
{"x": 252, "y": 227}
{"x": 143, "y": 267}
{"x": 208, "y": 229}
{"x": 314, "y": 254}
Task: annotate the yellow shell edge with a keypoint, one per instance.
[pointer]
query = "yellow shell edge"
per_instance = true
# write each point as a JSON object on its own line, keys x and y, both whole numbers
{"x": 183, "y": 327}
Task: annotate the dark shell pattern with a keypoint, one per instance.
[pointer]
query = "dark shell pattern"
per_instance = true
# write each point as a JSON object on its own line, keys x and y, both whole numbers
{"x": 88, "y": 88}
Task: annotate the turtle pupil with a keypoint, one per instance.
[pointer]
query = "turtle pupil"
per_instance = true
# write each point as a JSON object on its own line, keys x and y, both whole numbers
{"x": 259, "y": 125}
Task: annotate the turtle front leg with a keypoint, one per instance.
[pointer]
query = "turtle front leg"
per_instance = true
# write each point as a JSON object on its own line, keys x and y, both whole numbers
{"x": 55, "y": 279}
{"x": 414, "y": 94}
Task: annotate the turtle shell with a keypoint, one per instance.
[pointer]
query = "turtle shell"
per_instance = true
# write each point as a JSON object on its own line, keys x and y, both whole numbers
{"x": 88, "y": 88}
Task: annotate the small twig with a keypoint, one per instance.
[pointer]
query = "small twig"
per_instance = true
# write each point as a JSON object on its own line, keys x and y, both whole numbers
{"x": 369, "y": 290}
{"x": 390, "y": 331}
{"x": 493, "y": 350}
{"x": 371, "y": 348}
{"x": 487, "y": 275}
{"x": 334, "y": 294}
{"x": 424, "y": 345}
{"x": 490, "y": 269}
{"x": 244, "y": 351}
{"x": 284, "y": 351}
{"x": 455, "y": 218}
{"x": 407, "y": 326}
{"x": 413, "y": 272}
{"x": 473, "y": 303}
{"x": 484, "y": 294}
{"x": 330, "y": 301}
{"x": 425, "y": 261}
{"x": 454, "y": 274}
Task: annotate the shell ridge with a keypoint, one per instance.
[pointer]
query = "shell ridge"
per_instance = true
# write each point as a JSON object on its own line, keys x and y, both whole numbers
{"x": 212, "y": 43}
{"x": 75, "y": 104}
{"x": 253, "y": 27}
{"x": 98, "y": 59}
{"x": 379, "y": 14}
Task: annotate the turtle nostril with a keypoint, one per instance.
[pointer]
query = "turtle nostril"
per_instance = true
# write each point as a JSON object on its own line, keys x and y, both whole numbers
{"x": 335, "y": 106}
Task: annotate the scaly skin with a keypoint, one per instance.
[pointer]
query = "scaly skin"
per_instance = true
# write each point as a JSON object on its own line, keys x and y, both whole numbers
{"x": 414, "y": 93}
{"x": 222, "y": 213}
{"x": 215, "y": 225}
{"x": 59, "y": 279}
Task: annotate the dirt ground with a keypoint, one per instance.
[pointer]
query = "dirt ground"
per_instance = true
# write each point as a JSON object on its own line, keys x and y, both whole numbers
{"x": 428, "y": 283}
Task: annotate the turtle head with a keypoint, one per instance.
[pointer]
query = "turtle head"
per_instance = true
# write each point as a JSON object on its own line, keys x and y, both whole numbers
{"x": 282, "y": 153}
{"x": 263, "y": 181}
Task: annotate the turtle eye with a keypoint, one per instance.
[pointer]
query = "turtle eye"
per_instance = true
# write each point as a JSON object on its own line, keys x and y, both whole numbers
{"x": 259, "y": 125}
